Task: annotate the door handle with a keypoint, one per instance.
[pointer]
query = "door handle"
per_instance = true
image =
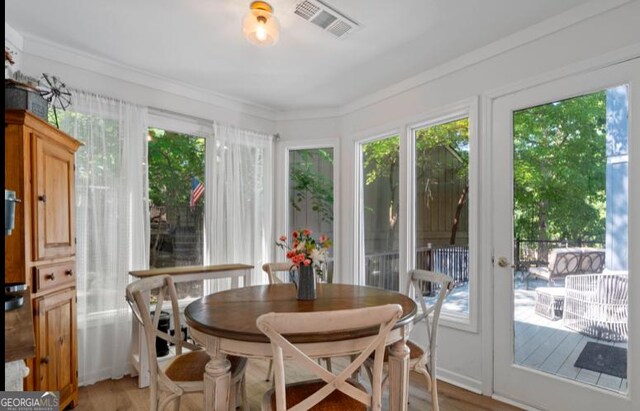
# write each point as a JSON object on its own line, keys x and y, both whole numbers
{"x": 503, "y": 262}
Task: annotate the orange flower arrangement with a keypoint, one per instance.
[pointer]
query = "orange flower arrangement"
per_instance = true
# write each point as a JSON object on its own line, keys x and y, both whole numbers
{"x": 304, "y": 249}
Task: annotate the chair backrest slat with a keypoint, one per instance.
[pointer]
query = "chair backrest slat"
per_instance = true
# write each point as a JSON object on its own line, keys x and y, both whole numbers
{"x": 430, "y": 313}
{"x": 278, "y": 325}
{"x": 137, "y": 296}
{"x": 272, "y": 269}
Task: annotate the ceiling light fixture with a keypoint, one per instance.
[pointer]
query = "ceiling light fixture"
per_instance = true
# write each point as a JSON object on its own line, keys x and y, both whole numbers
{"x": 260, "y": 26}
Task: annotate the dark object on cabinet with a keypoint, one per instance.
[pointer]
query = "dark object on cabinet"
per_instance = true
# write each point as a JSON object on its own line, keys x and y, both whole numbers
{"x": 24, "y": 97}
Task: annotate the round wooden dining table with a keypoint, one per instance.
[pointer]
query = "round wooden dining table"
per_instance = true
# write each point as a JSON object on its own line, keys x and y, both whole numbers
{"x": 225, "y": 324}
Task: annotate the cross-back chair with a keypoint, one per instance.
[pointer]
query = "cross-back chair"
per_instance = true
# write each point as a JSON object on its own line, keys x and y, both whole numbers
{"x": 331, "y": 391}
{"x": 185, "y": 372}
{"x": 272, "y": 270}
{"x": 423, "y": 360}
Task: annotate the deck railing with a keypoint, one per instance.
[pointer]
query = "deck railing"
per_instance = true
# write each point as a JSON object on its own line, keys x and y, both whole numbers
{"x": 382, "y": 269}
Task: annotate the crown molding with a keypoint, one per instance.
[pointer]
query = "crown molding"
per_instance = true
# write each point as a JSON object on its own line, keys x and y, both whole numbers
{"x": 40, "y": 47}
{"x": 12, "y": 37}
{"x": 308, "y": 114}
{"x": 520, "y": 38}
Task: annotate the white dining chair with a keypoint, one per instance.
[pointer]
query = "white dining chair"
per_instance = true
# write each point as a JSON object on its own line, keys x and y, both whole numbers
{"x": 331, "y": 391}
{"x": 272, "y": 270}
{"x": 185, "y": 372}
{"x": 423, "y": 360}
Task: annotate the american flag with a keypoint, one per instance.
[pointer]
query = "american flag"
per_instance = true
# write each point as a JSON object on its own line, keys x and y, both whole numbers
{"x": 196, "y": 192}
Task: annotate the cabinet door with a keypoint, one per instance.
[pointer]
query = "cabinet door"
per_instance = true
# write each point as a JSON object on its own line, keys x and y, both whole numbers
{"x": 56, "y": 349}
{"x": 53, "y": 167}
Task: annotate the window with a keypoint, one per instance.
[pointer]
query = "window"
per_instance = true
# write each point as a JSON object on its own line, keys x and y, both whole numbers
{"x": 379, "y": 210}
{"x": 176, "y": 201}
{"x": 442, "y": 226}
{"x": 311, "y": 194}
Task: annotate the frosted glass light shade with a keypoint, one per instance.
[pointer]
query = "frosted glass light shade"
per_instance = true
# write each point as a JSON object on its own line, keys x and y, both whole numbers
{"x": 260, "y": 27}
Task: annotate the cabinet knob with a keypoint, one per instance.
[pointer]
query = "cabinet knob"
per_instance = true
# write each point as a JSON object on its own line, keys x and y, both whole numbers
{"x": 50, "y": 276}
{"x": 45, "y": 360}
{"x": 42, "y": 198}
{"x": 69, "y": 272}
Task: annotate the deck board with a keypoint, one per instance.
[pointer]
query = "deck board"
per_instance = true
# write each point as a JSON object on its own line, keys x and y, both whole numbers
{"x": 547, "y": 345}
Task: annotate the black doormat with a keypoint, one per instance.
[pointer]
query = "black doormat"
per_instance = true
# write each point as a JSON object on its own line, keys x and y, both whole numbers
{"x": 603, "y": 358}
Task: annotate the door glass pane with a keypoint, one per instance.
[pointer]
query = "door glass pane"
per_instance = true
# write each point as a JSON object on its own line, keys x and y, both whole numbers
{"x": 380, "y": 201}
{"x": 442, "y": 207}
{"x": 176, "y": 199}
{"x": 311, "y": 195}
{"x": 571, "y": 241}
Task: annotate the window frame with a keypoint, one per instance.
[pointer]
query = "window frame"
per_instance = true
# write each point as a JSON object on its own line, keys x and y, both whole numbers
{"x": 282, "y": 192}
{"x": 464, "y": 109}
{"x": 358, "y": 211}
{"x": 196, "y": 128}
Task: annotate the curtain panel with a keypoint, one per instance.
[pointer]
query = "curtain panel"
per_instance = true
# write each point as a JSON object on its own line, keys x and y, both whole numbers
{"x": 112, "y": 225}
{"x": 239, "y": 223}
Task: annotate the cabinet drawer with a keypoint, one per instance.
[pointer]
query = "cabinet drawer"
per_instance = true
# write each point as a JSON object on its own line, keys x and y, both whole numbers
{"x": 53, "y": 276}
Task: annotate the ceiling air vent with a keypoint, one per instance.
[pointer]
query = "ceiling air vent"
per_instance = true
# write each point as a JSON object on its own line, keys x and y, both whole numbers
{"x": 325, "y": 17}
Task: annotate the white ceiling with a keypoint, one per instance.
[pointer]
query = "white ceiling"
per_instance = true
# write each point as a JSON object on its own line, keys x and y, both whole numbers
{"x": 199, "y": 42}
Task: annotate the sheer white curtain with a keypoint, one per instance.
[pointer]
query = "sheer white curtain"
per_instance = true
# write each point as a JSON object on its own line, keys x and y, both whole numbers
{"x": 239, "y": 223}
{"x": 112, "y": 226}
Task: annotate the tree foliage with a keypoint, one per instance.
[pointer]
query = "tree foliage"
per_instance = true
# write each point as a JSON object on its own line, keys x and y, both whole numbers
{"x": 452, "y": 137}
{"x": 381, "y": 161}
{"x": 174, "y": 159}
{"x": 560, "y": 169}
{"x": 452, "y": 168}
{"x": 307, "y": 184}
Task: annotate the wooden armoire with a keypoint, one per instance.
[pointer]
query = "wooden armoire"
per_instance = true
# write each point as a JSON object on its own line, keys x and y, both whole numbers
{"x": 39, "y": 167}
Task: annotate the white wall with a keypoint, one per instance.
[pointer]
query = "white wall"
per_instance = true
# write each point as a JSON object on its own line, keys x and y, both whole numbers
{"x": 461, "y": 353}
{"x": 113, "y": 80}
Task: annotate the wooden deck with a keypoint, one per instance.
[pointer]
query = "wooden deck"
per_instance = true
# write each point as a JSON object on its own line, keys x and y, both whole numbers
{"x": 548, "y": 346}
{"x": 543, "y": 344}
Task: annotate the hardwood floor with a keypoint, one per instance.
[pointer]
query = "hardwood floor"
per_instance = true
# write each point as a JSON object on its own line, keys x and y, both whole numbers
{"x": 123, "y": 394}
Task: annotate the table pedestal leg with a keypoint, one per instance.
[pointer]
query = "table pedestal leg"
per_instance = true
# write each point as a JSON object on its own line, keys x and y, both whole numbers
{"x": 217, "y": 384}
{"x": 398, "y": 376}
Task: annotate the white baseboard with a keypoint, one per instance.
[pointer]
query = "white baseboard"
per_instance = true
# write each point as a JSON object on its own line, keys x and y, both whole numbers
{"x": 460, "y": 380}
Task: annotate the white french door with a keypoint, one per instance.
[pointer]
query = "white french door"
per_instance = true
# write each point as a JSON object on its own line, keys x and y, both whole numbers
{"x": 536, "y": 344}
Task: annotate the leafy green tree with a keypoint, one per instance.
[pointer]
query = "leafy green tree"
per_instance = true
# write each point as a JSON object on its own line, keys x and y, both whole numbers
{"x": 307, "y": 184}
{"x": 381, "y": 161}
{"x": 174, "y": 159}
{"x": 454, "y": 138}
{"x": 560, "y": 170}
